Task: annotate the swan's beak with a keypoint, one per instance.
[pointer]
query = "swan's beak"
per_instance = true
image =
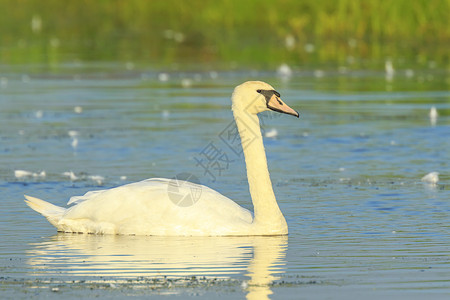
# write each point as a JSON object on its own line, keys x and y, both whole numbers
{"x": 276, "y": 104}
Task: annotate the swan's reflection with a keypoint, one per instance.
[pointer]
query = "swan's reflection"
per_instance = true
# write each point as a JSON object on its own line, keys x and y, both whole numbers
{"x": 260, "y": 258}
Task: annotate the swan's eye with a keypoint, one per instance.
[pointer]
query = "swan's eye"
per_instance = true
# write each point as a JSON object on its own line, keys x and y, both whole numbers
{"x": 258, "y": 91}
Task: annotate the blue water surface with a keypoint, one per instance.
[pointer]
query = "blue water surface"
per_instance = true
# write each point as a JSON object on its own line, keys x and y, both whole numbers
{"x": 347, "y": 176}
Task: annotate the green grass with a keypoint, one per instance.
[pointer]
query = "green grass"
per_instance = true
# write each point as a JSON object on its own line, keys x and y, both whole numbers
{"x": 249, "y": 33}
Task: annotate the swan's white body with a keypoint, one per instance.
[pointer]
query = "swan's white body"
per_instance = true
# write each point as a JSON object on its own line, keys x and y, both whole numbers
{"x": 145, "y": 208}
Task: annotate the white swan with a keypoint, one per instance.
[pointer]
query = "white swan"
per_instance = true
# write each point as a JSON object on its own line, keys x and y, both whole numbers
{"x": 145, "y": 208}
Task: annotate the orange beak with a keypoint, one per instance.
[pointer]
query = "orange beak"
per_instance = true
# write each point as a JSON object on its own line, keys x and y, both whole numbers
{"x": 276, "y": 104}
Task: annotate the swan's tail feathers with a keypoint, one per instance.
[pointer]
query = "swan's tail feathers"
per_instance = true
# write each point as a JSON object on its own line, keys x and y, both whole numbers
{"x": 52, "y": 212}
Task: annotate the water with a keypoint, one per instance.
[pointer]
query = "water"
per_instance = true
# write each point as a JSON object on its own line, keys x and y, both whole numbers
{"x": 347, "y": 175}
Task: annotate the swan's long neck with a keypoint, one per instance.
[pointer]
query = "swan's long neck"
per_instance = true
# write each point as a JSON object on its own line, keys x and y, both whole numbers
{"x": 266, "y": 210}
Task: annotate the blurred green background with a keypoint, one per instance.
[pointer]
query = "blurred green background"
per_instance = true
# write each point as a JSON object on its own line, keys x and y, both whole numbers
{"x": 227, "y": 34}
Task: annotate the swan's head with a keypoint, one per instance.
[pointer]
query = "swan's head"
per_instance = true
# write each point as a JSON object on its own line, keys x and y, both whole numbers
{"x": 254, "y": 97}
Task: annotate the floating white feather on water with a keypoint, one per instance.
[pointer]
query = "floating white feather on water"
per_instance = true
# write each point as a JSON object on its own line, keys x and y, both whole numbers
{"x": 73, "y": 133}
{"x": 432, "y": 178}
{"x": 284, "y": 71}
{"x": 74, "y": 143}
{"x": 78, "y": 109}
{"x": 97, "y": 178}
{"x": 71, "y": 175}
{"x": 23, "y": 174}
{"x": 163, "y": 77}
{"x": 433, "y": 115}
{"x": 41, "y": 174}
{"x": 39, "y": 114}
{"x": 272, "y": 133}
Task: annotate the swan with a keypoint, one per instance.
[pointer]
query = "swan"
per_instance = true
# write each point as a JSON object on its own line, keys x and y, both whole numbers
{"x": 145, "y": 208}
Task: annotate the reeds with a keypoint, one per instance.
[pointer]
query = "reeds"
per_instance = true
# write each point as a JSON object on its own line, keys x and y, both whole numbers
{"x": 252, "y": 33}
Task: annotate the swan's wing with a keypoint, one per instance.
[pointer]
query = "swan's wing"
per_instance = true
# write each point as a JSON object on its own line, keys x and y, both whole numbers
{"x": 93, "y": 194}
{"x": 218, "y": 204}
{"x": 152, "y": 207}
{"x": 87, "y": 196}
